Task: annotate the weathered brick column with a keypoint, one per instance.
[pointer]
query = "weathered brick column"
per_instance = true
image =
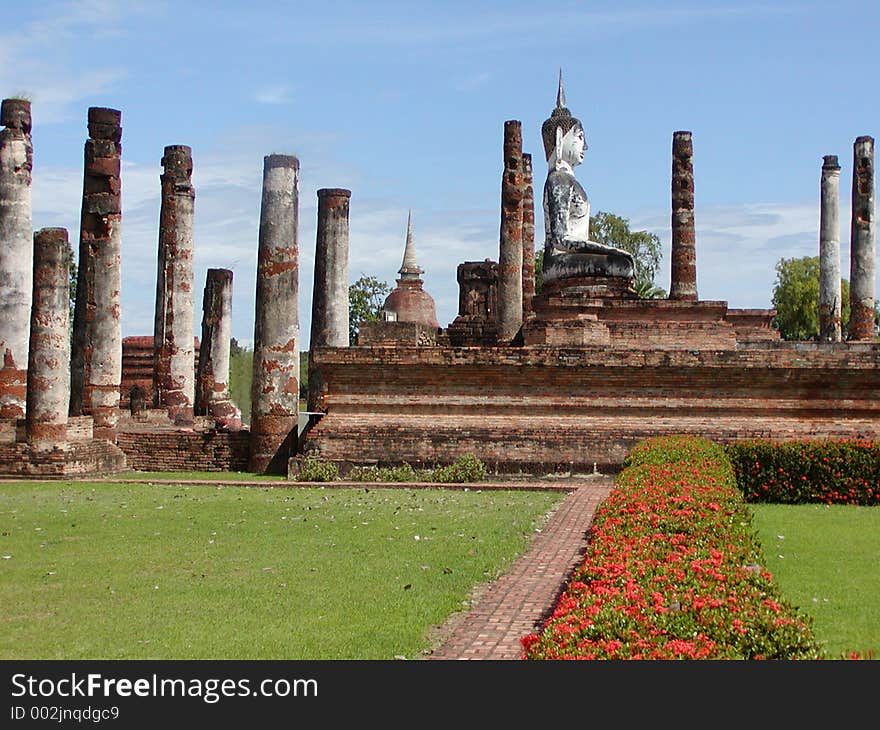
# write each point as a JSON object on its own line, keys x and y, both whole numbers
{"x": 330, "y": 295}
{"x": 683, "y": 283}
{"x": 212, "y": 380}
{"x": 510, "y": 257}
{"x": 862, "y": 242}
{"x": 829, "y": 251}
{"x": 96, "y": 355}
{"x": 173, "y": 348}
{"x": 48, "y": 374}
{"x": 275, "y": 388}
{"x": 330, "y": 288}
{"x": 528, "y": 237}
{"x": 16, "y": 254}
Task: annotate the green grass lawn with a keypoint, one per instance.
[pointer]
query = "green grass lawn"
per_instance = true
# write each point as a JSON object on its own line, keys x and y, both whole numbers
{"x": 130, "y": 571}
{"x": 825, "y": 560}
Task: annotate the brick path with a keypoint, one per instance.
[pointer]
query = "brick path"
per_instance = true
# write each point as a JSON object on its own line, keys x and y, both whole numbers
{"x": 514, "y": 604}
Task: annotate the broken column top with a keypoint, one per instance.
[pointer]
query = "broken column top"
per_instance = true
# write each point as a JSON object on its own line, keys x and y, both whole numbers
{"x": 177, "y": 161}
{"x": 829, "y": 162}
{"x": 334, "y": 193}
{"x": 16, "y": 114}
{"x": 270, "y": 161}
{"x": 220, "y": 274}
{"x": 682, "y": 143}
{"x": 51, "y": 234}
{"x": 105, "y": 123}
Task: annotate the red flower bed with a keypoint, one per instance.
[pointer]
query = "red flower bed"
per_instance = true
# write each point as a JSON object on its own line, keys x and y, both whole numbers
{"x": 673, "y": 570}
{"x": 802, "y": 472}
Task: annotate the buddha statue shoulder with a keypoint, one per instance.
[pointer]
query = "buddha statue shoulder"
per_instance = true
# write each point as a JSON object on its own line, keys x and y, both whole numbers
{"x": 568, "y": 250}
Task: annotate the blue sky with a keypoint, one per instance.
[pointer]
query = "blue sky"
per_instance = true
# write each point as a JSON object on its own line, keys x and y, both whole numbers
{"x": 404, "y": 103}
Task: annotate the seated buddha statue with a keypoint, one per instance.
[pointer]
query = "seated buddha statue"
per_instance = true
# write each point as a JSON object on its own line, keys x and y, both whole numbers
{"x": 568, "y": 251}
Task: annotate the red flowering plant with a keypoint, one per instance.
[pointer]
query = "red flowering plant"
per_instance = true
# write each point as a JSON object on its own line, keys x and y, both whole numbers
{"x": 673, "y": 570}
{"x": 801, "y": 472}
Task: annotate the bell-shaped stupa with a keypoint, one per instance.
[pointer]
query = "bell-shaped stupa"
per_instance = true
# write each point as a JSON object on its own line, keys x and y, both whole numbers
{"x": 409, "y": 302}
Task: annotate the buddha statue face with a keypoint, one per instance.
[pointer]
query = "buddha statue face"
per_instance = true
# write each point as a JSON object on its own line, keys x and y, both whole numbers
{"x": 570, "y": 148}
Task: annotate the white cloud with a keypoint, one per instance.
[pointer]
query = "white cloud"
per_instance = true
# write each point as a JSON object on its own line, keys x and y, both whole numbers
{"x": 273, "y": 94}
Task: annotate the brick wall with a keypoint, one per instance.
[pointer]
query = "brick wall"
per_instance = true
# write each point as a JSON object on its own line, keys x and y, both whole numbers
{"x": 186, "y": 450}
{"x": 137, "y": 365}
{"x": 541, "y": 409}
{"x": 89, "y": 458}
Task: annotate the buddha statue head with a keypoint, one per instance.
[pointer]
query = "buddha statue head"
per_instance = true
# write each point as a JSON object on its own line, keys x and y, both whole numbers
{"x": 563, "y": 135}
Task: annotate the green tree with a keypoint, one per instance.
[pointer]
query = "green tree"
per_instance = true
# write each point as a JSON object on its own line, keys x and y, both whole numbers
{"x": 365, "y": 299}
{"x": 613, "y": 230}
{"x": 241, "y": 374}
{"x": 796, "y": 298}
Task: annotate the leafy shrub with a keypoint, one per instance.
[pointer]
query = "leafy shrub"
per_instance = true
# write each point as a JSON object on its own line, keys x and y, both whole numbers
{"x": 402, "y": 473}
{"x": 673, "y": 571}
{"x": 315, "y": 470}
{"x": 800, "y": 472}
{"x": 668, "y": 449}
{"x": 466, "y": 468}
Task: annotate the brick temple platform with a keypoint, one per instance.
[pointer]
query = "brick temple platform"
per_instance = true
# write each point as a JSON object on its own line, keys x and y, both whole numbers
{"x": 540, "y": 410}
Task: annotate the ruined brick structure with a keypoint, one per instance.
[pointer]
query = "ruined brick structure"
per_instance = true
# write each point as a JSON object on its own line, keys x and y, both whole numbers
{"x": 510, "y": 255}
{"x": 562, "y": 380}
{"x": 96, "y": 354}
{"x": 275, "y": 388}
{"x": 830, "y": 305}
{"x": 330, "y": 285}
{"x": 683, "y": 282}
{"x": 52, "y": 444}
{"x": 476, "y": 323}
{"x": 598, "y": 370}
{"x": 528, "y": 237}
{"x": 48, "y": 395}
{"x": 212, "y": 369}
{"x": 862, "y": 242}
{"x": 138, "y": 363}
{"x": 16, "y": 252}
{"x": 408, "y": 301}
{"x": 173, "y": 379}
{"x": 540, "y": 410}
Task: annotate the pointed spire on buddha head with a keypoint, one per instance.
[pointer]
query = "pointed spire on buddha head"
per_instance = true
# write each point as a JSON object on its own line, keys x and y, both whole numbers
{"x": 409, "y": 269}
{"x": 560, "y": 118}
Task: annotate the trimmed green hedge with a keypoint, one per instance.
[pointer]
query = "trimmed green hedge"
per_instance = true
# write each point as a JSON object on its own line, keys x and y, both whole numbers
{"x": 673, "y": 571}
{"x": 801, "y": 472}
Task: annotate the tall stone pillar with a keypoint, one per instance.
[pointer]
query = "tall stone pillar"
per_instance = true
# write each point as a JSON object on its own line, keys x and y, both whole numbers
{"x": 829, "y": 251}
{"x": 862, "y": 242}
{"x": 528, "y": 237}
{"x": 212, "y": 380}
{"x": 48, "y": 394}
{"x": 275, "y": 388}
{"x": 96, "y": 355}
{"x": 16, "y": 254}
{"x": 173, "y": 348}
{"x": 330, "y": 295}
{"x": 510, "y": 257}
{"x": 330, "y": 288}
{"x": 683, "y": 284}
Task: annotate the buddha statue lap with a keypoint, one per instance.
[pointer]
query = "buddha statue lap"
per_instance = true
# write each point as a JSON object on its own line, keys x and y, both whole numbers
{"x": 568, "y": 251}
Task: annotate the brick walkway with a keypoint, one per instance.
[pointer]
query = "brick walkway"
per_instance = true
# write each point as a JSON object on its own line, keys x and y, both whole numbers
{"x": 514, "y": 604}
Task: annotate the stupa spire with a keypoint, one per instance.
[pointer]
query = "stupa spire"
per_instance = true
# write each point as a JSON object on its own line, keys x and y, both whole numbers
{"x": 410, "y": 268}
{"x": 560, "y": 94}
